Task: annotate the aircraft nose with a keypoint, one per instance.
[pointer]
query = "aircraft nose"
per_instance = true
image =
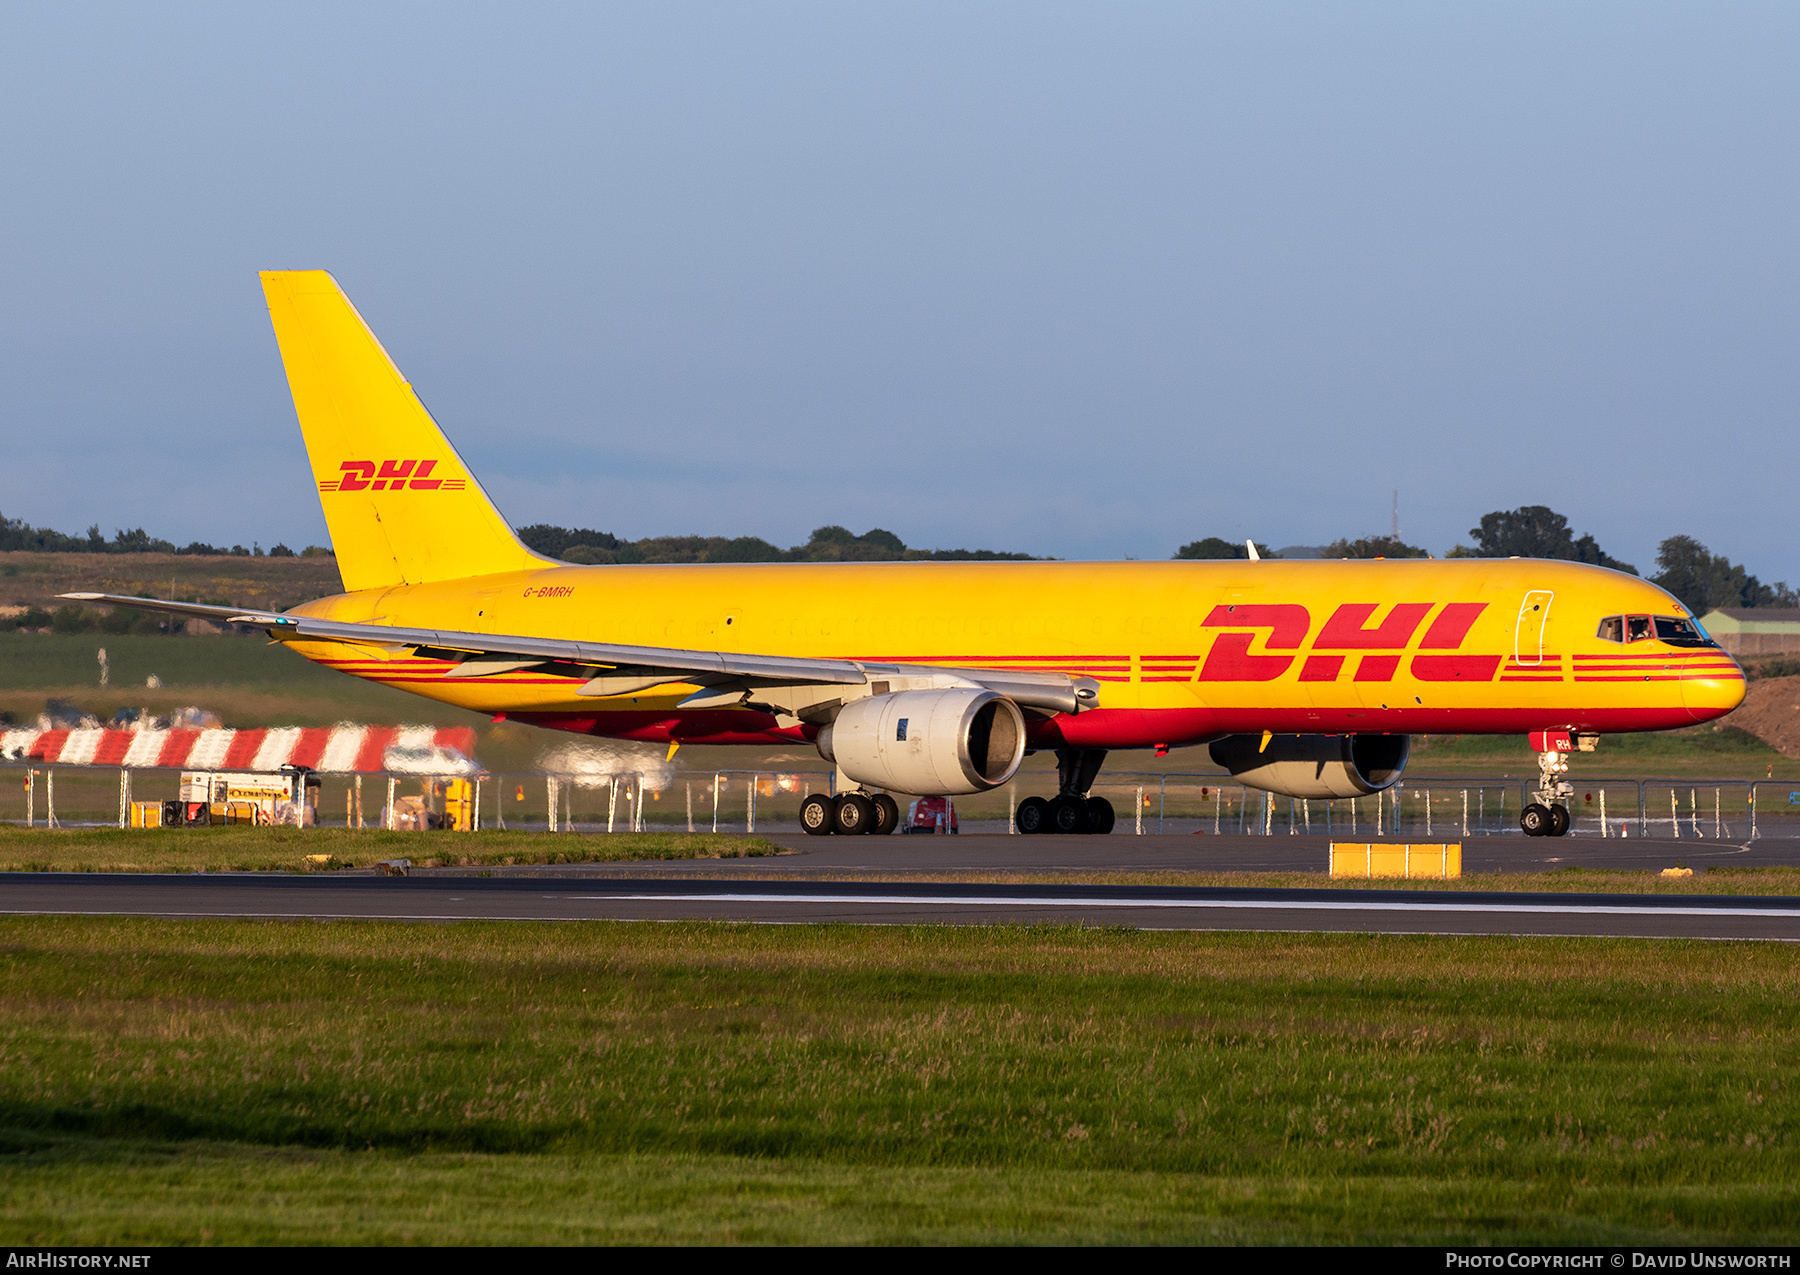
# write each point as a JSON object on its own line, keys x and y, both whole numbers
{"x": 1715, "y": 695}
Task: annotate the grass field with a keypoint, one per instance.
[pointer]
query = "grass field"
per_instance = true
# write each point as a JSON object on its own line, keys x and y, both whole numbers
{"x": 1721, "y": 752}
{"x": 247, "y": 681}
{"x": 239, "y": 1082}
{"x": 33, "y": 661}
{"x": 247, "y": 849}
{"x": 35, "y": 579}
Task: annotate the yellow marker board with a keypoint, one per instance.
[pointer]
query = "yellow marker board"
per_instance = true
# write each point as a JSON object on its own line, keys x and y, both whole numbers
{"x": 1434, "y": 860}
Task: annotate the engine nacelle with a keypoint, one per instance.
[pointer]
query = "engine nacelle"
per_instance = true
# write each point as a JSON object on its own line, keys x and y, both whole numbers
{"x": 1315, "y": 765}
{"x": 929, "y": 743}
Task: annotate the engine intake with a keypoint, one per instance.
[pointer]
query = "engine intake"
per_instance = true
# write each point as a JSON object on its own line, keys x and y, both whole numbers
{"x": 1315, "y": 765}
{"x": 929, "y": 743}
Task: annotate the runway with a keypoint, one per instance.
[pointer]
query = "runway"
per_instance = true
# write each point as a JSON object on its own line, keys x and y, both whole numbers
{"x": 1125, "y": 853}
{"x": 577, "y": 898}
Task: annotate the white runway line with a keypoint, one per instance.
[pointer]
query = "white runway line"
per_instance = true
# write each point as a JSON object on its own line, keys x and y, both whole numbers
{"x": 1274, "y": 905}
{"x": 166, "y": 913}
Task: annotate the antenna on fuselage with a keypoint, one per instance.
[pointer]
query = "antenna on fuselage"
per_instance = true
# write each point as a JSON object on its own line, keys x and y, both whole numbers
{"x": 1251, "y": 546}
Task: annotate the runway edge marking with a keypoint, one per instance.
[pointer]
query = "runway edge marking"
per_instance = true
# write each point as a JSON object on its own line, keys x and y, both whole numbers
{"x": 1248, "y": 904}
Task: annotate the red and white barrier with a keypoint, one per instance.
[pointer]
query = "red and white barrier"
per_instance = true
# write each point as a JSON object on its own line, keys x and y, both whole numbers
{"x": 333, "y": 749}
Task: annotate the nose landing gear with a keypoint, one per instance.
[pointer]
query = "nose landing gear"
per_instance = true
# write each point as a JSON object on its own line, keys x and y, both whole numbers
{"x": 1548, "y": 814}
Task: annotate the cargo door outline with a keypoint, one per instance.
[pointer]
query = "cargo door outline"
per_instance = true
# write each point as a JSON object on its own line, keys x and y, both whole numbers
{"x": 1534, "y": 613}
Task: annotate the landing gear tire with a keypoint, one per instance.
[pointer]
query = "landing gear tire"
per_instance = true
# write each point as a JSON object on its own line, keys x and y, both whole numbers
{"x": 818, "y": 816}
{"x": 1536, "y": 820}
{"x": 1033, "y": 816}
{"x": 1100, "y": 815}
{"x": 887, "y": 814}
{"x": 1559, "y": 821}
{"x": 855, "y": 815}
{"x": 1069, "y": 814}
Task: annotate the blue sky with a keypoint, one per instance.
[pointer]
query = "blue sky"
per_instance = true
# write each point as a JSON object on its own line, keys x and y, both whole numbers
{"x": 1089, "y": 281}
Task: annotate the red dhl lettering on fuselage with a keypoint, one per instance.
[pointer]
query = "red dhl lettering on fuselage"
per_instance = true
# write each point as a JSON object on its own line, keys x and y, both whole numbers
{"x": 1348, "y": 630}
{"x": 390, "y": 475}
{"x": 1378, "y": 650}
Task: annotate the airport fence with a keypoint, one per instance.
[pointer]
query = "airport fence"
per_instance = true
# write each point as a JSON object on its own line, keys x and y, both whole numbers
{"x": 709, "y": 801}
{"x": 1431, "y": 806}
{"x": 1144, "y": 803}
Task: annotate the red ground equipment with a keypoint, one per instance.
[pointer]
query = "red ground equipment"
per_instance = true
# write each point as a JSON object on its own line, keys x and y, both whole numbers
{"x": 931, "y": 815}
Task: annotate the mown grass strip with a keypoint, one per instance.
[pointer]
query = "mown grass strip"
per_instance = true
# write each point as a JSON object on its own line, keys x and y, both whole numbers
{"x": 1208, "y": 1085}
{"x": 248, "y": 849}
{"x": 81, "y": 1191}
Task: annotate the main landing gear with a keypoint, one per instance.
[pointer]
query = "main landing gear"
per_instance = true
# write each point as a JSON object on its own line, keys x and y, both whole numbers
{"x": 1071, "y": 810}
{"x": 849, "y": 814}
{"x": 1548, "y": 815}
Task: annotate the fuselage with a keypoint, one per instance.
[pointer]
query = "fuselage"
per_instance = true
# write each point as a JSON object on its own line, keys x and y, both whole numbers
{"x": 1184, "y": 652}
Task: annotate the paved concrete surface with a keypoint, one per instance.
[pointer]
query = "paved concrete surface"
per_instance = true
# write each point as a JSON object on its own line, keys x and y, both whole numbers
{"x": 446, "y": 898}
{"x": 1003, "y": 854}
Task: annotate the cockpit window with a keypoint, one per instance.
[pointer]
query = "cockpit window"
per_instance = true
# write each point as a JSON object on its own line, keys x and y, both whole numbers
{"x": 1673, "y": 629}
{"x": 1681, "y": 632}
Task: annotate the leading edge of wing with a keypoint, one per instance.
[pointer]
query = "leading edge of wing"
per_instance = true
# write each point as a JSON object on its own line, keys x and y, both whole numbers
{"x": 604, "y": 654}
{"x": 1053, "y": 692}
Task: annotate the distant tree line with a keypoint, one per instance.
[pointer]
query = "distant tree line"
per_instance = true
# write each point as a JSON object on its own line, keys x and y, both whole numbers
{"x": 1534, "y": 531}
{"x": 16, "y": 533}
{"x": 1702, "y": 581}
{"x": 571, "y": 544}
{"x": 827, "y": 544}
{"x": 80, "y": 619}
{"x": 1699, "y": 580}
{"x": 1218, "y": 550}
{"x": 1368, "y": 547}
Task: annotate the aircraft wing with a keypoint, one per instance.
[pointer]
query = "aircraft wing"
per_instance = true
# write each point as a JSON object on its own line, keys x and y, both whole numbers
{"x": 618, "y": 669}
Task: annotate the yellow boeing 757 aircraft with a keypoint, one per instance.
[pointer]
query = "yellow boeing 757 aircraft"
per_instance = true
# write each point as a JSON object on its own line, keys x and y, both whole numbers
{"x": 1305, "y": 677}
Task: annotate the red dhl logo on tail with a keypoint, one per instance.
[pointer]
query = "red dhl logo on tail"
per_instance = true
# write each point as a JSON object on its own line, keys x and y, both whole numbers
{"x": 390, "y": 475}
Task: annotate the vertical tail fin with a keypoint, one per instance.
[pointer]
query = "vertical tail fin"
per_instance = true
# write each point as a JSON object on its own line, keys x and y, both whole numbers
{"x": 401, "y": 506}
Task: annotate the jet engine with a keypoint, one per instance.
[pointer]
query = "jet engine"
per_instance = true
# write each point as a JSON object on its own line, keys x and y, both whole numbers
{"x": 1315, "y": 765}
{"x": 931, "y": 743}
